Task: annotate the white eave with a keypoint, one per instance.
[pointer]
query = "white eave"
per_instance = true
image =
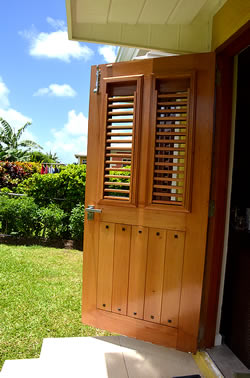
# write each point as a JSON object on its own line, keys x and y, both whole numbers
{"x": 177, "y": 26}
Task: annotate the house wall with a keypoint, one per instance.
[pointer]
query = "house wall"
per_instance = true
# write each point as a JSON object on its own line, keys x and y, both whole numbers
{"x": 228, "y": 20}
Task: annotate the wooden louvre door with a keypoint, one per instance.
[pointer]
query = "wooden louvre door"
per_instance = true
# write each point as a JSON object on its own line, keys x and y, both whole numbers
{"x": 148, "y": 171}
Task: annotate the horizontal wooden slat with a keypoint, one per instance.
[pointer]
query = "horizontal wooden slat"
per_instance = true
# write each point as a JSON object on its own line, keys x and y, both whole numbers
{"x": 118, "y": 162}
{"x": 163, "y": 171}
{"x": 120, "y": 127}
{"x": 118, "y": 106}
{"x": 173, "y": 95}
{"x": 119, "y": 148}
{"x": 119, "y": 141}
{"x": 170, "y": 149}
{"x": 163, "y": 111}
{"x": 165, "y": 103}
{"x": 168, "y": 187}
{"x": 116, "y": 198}
{"x": 169, "y": 164}
{"x": 182, "y": 133}
{"x": 117, "y": 169}
{"x": 168, "y": 126}
{"x": 177, "y": 118}
{"x": 117, "y": 183}
{"x": 117, "y": 176}
{"x": 171, "y": 141}
{"x": 128, "y": 156}
{"x": 120, "y": 120}
{"x": 128, "y": 112}
{"x": 169, "y": 156}
{"x": 167, "y": 202}
{"x": 116, "y": 190}
{"x": 121, "y": 98}
{"x": 124, "y": 134}
{"x": 168, "y": 179}
{"x": 162, "y": 194}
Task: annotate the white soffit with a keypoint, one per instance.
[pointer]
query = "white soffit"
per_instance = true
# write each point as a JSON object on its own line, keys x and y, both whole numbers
{"x": 170, "y": 25}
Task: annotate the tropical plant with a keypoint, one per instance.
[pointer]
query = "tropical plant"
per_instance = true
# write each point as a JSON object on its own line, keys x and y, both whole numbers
{"x": 13, "y": 173}
{"x": 40, "y": 157}
{"x": 12, "y": 147}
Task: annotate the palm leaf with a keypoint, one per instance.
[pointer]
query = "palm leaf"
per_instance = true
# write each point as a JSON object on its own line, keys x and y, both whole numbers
{"x": 22, "y": 129}
{"x": 29, "y": 143}
{"x": 6, "y": 133}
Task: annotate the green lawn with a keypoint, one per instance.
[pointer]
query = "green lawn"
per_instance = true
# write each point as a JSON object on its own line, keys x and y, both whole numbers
{"x": 40, "y": 296}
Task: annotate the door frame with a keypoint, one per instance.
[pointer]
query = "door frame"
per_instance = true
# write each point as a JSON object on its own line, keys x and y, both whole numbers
{"x": 219, "y": 182}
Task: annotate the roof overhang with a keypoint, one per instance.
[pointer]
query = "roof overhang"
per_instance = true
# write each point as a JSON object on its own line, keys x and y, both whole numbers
{"x": 177, "y": 26}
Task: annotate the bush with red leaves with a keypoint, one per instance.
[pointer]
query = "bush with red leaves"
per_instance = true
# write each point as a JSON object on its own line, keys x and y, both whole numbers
{"x": 12, "y": 173}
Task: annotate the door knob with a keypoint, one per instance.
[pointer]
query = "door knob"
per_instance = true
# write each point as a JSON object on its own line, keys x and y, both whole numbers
{"x": 91, "y": 210}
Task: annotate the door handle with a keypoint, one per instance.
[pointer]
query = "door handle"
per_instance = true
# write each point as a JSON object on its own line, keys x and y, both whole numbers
{"x": 91, "y": 211}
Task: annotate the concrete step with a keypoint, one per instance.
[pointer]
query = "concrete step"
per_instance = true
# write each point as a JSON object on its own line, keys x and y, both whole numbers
{"x": 128, "y": 356}
{"x": 21, "y": 368}
{"x": 102, "y": 357}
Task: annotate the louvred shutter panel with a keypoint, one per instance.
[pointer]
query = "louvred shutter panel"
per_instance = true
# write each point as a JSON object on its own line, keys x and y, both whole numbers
{"x": 173, "y": 121}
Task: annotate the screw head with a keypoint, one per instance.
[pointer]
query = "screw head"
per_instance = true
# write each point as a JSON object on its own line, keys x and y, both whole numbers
{"x": 152, "y": 317}
{"x": 176, "y": 236}
{"x": 104, "y": 305}
{"x": 169, "y": 321}
{"x": 123, "y": 229}
{"x": 157, "y": 233}
{"x": 140, "y": 231}
{"x": 107, "y": 226}
{"x": 135, "y": 313}
{"x": 119, "y": 309}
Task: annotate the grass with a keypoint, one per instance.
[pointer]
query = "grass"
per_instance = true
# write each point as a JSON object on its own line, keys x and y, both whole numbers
{"x": 40, "y": 296}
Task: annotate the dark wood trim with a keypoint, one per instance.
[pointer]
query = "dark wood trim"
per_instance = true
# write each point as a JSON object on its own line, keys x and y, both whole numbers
{"x": 219, "y": 183}
{"x": 237, "y": 42}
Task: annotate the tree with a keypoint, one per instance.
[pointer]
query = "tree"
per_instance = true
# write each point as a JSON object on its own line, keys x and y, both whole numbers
{"x": 12, "y": 148}
{"x": 40, "y": 157}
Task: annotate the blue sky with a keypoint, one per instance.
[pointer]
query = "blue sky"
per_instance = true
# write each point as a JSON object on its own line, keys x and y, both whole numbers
{"x": 44, "y": 78}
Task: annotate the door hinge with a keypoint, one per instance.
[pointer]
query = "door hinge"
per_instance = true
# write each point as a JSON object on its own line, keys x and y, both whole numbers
{"x": 97, "y": 83}
{"x": 218, "y": 77}
{"x": 211, "y": 209}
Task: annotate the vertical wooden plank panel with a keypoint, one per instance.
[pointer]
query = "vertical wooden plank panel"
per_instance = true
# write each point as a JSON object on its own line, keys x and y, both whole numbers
{"x": 172, "y": 278}
{"x": 121, "y": 268}
{"x": 155, "y": 273}
{"x": 105, "y": 266}
{"x": 137, "y": 271}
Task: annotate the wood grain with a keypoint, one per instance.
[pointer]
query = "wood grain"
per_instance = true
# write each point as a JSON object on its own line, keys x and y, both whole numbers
{"x": 139, "y": 211}
{"x": 172, "y": 278}
{"x": 121, "y": 268}
{"x": 105, "y": 266}
{"x": 155, "y": 273}
{"x": 137, "y": 272}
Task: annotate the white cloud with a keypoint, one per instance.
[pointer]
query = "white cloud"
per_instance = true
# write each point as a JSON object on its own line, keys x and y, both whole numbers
{"x": 4, "y": 93}
{"x": 55, "y": 45}
{"x": 108, "y": 52}
{"x": 57, "y": 90}
{"x": 12, "y": 116}
{"x": 71, "y": 139}
{"x": 56, "y": 24}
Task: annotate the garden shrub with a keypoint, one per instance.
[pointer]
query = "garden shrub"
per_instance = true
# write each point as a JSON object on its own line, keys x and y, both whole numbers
{"x": 76, "y": 222}
{"x": 51, "y": 218}
{"x": 66, "y": 188}
{"x": 19, "y": 216}
{"x": 22, "y": 216}
{"x": 13, "y": 173}
{"x": 120, "y": 179}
